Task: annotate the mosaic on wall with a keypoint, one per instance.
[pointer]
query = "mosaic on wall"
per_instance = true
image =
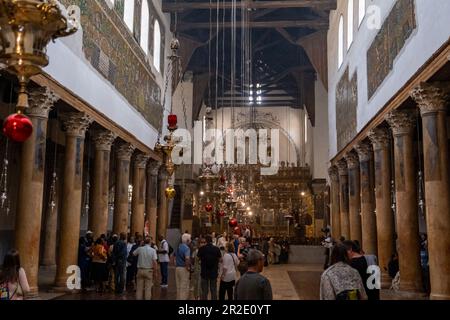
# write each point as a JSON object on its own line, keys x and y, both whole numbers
{"x": 346, "y": 105}
{"x": 110, "y": 48}
{"x": 390, "y": 40}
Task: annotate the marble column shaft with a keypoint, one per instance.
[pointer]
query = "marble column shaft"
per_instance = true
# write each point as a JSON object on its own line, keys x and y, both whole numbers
{"x": 344, "y": 201}
{"x": 354, "y": 196}
{"x": 31, "y": 186}
{"x": 121, "y": 201}
{"x": 98, "y": 220}
{"x": 76, "y": 125}
{"x": 368, "y": 217}
{"x": 163, "y": 205}
{"x": 433, "y": 101}
{"x": 152, "y": 197}
{"x": 138, "y": 199}
{"x": 402, "y": 124}
{"x": 334, "y": 203}
{"x": 380, "y": 138}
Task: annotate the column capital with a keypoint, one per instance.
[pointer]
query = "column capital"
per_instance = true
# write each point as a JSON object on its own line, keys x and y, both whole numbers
{"x": 103, "y": 139}
{"x": 141, "y": 159}
{"x": 352, "y": 160}
{"x": 76, "y": 123}
{"x": 364, "y": 151}
{"x": 125, "y": 151}
{"x": 342, "y": 167}
{"x": 153, "y": 167}
{"x": 41, "y": 101}
{"x": 333, "y": 173}
{"x": 431, "y": 97}
{"x": 380, "y": 137}
{"x": 402, "y": 122}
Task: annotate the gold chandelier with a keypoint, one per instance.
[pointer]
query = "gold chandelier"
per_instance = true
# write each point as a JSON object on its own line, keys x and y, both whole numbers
{"x": 26, "y": 28}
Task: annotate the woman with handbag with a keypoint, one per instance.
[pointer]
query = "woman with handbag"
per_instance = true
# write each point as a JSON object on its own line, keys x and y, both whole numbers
{"x": 13, "y": 279}
{"x": 228, "y": 273}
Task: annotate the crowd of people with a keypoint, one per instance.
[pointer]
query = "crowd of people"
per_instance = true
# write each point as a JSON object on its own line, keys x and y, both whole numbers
{"x": 348, "y": 274}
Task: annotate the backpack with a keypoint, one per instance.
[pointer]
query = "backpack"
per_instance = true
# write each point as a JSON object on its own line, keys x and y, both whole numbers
{"x": 4, "y": 291}
{"x": 170, "y": 248}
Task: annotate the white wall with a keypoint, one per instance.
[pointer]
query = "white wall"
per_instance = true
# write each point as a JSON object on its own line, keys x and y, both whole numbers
{"x": 433, "y": 30}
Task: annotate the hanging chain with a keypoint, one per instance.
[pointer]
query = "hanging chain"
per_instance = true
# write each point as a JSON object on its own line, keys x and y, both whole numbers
{"x": 4, "y": 199}
{"x": 52, "y": 200}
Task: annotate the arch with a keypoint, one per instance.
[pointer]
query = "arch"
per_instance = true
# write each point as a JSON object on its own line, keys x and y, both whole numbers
{"x": 350, "y": 14}
{"x": 128, "y": 14}
{"x": 361, "y": 11}
{"x": 341, "y": 41}
{"x": 157, "y": 46}
{"x": 145, "y": 26}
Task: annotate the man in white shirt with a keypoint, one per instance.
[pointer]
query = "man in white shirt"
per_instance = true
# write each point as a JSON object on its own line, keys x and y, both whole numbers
{"x": 146, "y": 270}
{"x": 163, "y": 257}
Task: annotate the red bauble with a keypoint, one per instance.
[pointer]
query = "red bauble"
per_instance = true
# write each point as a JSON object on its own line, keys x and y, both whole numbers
{"x": 221, "y": 213}
{"x": 223, "y": 179}
{"x": 18, "y": 127}
{"x": 233, "y": 223}
{"x": 209, "y": 207}
{"x": 172, "y": 120}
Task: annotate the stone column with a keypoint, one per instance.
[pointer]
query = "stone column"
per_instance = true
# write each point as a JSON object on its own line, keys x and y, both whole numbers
{"x": 31, "y": 186}
{"x": 76, "y": 125}
{"x": 402, "y": 123}
{"x": 152, "y": 197}
{"x": 368, "y": 218}
{"x": 335, "y": 210}
{"x": 98, "y": 220}
{"x": 163, "y": 205}
{"x": 138, "y": 199}
{"x": 121, "y": 201}
{"x": 433, "y": 100}
{"x": 380, "y": 138}
{"x": 343, "y": 199}
{"x": 354, "y": 197}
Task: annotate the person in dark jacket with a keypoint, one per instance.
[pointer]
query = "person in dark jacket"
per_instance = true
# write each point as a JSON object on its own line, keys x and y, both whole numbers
{"x": 119, "y": 257}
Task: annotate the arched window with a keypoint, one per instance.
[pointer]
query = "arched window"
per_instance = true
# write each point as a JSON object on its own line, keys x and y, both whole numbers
{"x": 341, "y": 42}
{"x": 350, "y": 14}
{"x": 145, "y": 26}
{"x": 361, "y": 11}
{"x": 128, "y": 14}
{"x": 157, "y": 46}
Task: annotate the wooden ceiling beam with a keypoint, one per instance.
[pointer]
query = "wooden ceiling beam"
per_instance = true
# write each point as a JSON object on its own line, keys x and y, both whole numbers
{"x": 321, "y": 24}
{"x": 183, "y": 6}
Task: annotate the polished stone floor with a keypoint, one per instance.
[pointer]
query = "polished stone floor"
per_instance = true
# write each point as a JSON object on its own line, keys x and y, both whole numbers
{"x": 289, "y": 282}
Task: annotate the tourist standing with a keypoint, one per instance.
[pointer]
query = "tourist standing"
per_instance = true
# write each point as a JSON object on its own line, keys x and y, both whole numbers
{"x": 163, "y": 257}
{"x": 210, "y": 256}
{"x": 196, "y": 269}
{"x": 83, "y": 262}
{"x": 252, "y": 285}
{"x": 146, "y": 266}
{"x": 228, "y": 273}
{"x": 183, "y": 267}
{"x": 130, "y": 244}
{"x": 13, "y": 279}
{"x": 99, "y": 267}
{"x": 119, "y": 257}
{"x": 341, "y": 281}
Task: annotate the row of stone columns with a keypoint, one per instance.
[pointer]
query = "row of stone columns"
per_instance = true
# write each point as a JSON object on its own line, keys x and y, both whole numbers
{"x": 30, "y": 199}
{"x": 361, "y": 186}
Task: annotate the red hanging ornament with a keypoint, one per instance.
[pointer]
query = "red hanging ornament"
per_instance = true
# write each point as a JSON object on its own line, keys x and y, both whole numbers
{"x": 172, "y": 121}
{"x": 233, "y": 223}
{"x": 237, "y": 230}
{"x": 18, "y": 127}
{"x": 222, "y": 179}
{"x": 209, "y": 207}
{"x": 221, "y": 213}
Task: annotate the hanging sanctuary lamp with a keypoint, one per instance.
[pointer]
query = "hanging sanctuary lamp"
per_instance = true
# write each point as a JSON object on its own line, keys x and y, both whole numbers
{"x": 26, "y": 28}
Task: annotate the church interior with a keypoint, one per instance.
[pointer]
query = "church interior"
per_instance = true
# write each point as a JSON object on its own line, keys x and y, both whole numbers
{"x": 289, "y": 123}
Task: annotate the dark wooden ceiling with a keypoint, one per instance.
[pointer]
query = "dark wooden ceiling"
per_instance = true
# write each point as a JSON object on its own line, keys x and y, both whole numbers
{"x": 281, "y": 44}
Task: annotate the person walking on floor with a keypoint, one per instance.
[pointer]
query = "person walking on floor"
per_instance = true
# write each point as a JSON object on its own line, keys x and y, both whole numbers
{"x": 340, "y": 281}
{"x": 183, "y": 267}
{"x": 146, "y": 266}
{"x": 252, "y": 285}
{"x": 119, "y": 257}
{"x": 228, "y": 273}
{"x": 210, "y": 257}
{"x": 163, "y": 257}
{"x": 13, "y": 279}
